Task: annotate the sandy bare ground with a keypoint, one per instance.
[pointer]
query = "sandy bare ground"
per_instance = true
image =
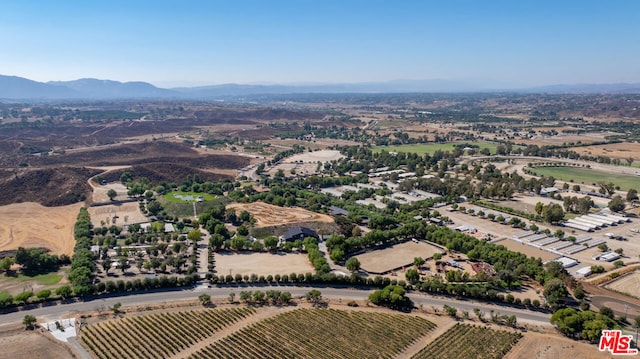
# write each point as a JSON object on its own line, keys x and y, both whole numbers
{"x": 33, "y": 225}
{"x": 527, "y": 249}
{"x": 621, "y": 150}
{"x": 553, "y": 346}
{"x": 384, "y": 260}
{"x": 127, "y": 213}
{"x": 100, "y": 192}
{"x": 314, "y": 157}
{"x": 18, "y": 343}
{"x": 261, "y": 263}
{"x": 267, "y": 215}
{"x": 629, "y": 284}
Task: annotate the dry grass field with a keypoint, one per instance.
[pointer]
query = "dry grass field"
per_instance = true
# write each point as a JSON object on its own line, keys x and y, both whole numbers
{"x": 628, "y": 284}
{"x": 553, "y": 346}
{"x": 261, "y": 263}
{"x": 384, "y": 260}
{"x": 621, "y": 150}
{"x": 127, "y": 213}
{"x": 32, "y": 225}
{"x": 21, "y": 344}
{"x": 267, "y": 215}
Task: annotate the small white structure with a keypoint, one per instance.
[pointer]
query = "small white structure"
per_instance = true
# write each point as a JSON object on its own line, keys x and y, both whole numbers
{"x": 583, "y": 272}
{"x": 609, "y": 257}
{"x": 548, "y": 190}
{"x": 567, "y": 262}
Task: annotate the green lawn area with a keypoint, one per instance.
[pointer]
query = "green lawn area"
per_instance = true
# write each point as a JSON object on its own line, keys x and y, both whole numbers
{"x": 589, "y": 176}
{"x": 184, "y": 209}
{"x": 44, "y": 279}
{"x": 422, "y": 148}
{"x": 171, "y": 196}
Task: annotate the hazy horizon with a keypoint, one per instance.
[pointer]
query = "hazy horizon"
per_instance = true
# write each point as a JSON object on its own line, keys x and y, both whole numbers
{"x": 197, "y": 43}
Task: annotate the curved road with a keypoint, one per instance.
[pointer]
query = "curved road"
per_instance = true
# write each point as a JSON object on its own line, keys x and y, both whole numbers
{"x": 54, "y": 312}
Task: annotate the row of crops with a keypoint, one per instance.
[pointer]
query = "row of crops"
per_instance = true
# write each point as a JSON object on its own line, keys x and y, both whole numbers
{"x": 157, "y": 335}
{"x": 322, "y": 333}
{"x": 470, "y": 341}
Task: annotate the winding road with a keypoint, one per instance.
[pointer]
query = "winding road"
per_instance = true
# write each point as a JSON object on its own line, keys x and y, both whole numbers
{"x": 57, "y": 311}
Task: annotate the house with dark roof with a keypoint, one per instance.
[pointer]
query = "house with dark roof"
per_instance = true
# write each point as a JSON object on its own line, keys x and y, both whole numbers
{"x": 300, "y": 233}
{"x": 337, "y": 211}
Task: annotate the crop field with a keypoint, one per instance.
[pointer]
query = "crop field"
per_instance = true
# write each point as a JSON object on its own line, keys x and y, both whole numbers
{"x": 322, "y": 333}
{"x": 157, "y": 335}
{"x": 621, "y": 150}
{"x": 423, "y": 148}
{"x": 387, "y": 259}
{"x": 470, "y": 341}
{"x": 589, "y": 176}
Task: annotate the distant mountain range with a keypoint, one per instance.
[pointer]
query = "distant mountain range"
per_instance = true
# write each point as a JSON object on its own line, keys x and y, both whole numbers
{"x": 19, "y": 88}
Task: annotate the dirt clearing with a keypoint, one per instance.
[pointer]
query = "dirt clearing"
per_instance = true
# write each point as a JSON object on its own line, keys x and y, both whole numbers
{"x": 33, "y": 225}
{"x": 628, "y": 284}
{"x": 553, "y": 346}
{"x": 261, "y": 263}
{"x": 126, "y": 213}
{"x": 399, "y": 255}
{"x": 267, "y": 215}
{"x": 527, "y": 249}
{"x": 19, "y": 343}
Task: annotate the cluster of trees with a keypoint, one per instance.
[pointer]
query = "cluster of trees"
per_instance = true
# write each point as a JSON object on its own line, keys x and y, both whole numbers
{"x": 35, "y": 260}
{"x": 82, "y": 263}
{"x": 392, "y": 296}
{"x": 274, "y": 297}
{"x": 315, "y": 256}
{"x": 586, "y": 325}
{"x": 577, "y": 205}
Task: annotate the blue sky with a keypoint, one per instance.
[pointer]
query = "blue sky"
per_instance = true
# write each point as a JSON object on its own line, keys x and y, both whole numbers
{"x": 513, "y": 43}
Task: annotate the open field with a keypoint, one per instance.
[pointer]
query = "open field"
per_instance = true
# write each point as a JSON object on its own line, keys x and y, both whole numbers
{"x": 32, "y": 225}
{"x": 267, "y": 215}
{"x": 621, "y": 150}
{"x": 261, "y": 263}
{"x": 628, "y": 284}
{"x": 399, "y": 255}
{"x": 128, "y": 213}
{"x": 315, "y": 156}
{"x": 100, "y": 192}
{"x": 423, "y": 148}
{"x": 21, "y": 344}
{"x": 589, "y": 176}
{"x": 553, "y": 346}
{"x": 182, "y": 197}
{"x": 17, "y": 284}
{"x": 528, "y": 250}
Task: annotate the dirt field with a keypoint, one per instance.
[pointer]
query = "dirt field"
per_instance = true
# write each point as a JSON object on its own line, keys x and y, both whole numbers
{"x": 384, "y": 260}
{"x": 127, "y": 213}
{"x": 629, "y": 284}
{"x": 553, "y": 346}
{"x": 314, "y": 157}
{"x": 19, "y": 343}
{"x": 528, "y": 250}
{"x": 100, "y": 192}
{"x": 622, "y": 150}
{"x": 261, "y": 263}
{"x": 32, "y": 225}
{"x": 268, "y": 215}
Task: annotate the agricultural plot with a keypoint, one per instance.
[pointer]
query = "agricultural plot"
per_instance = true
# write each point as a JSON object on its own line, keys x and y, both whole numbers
{"x": 269, "y": 215}
{"x": 322, "y": 333}
{"x": 124, "y": 214}
{"x": 589, "y": 176}
{"x": 247, "y": 263}
{"x": 470, "y": 341}
{"x": 423, "y": 148}
{"x": 157, "y": 335}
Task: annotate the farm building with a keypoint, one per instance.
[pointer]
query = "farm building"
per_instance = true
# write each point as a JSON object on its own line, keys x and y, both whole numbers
{"x": 567, "y": 262}
{"x": 298, "y": 232}
{"x": 583, "y": 272}
{"x": 548, "y": 191}
{"x": 609, "y": 257}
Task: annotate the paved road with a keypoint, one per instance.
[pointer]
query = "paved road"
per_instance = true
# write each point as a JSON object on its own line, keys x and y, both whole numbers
{"x": 54, "y": 312}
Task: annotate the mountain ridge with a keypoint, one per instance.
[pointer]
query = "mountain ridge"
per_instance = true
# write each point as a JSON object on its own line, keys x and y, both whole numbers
{"x": 16, "y": 88}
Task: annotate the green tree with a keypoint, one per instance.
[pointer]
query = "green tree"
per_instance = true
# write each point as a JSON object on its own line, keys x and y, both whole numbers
{"x": 632, "y": 195}
{"x": 418, "y": 261}
{"x": 271, "y": 243}
{"x": 63, "y": 292}
{"x": 412, "y": 275}
{"x": 205, "y": 299}
{"x": 29, "y": 321}
{"x": 44, "y": 294}
{"x": 617, "y": 204}
{"x": 6, "y": 299}
{"x": 555, "y": 292}
{"x": 353, "y": 264}
{"x": 112, "y": 194}
{"x": 245, "y": 216}
{"x": 314, "y": 296}
{"x": 194, "y": 235}
{"x": 392, "y": 296}
{"x": 337, "y": 255}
